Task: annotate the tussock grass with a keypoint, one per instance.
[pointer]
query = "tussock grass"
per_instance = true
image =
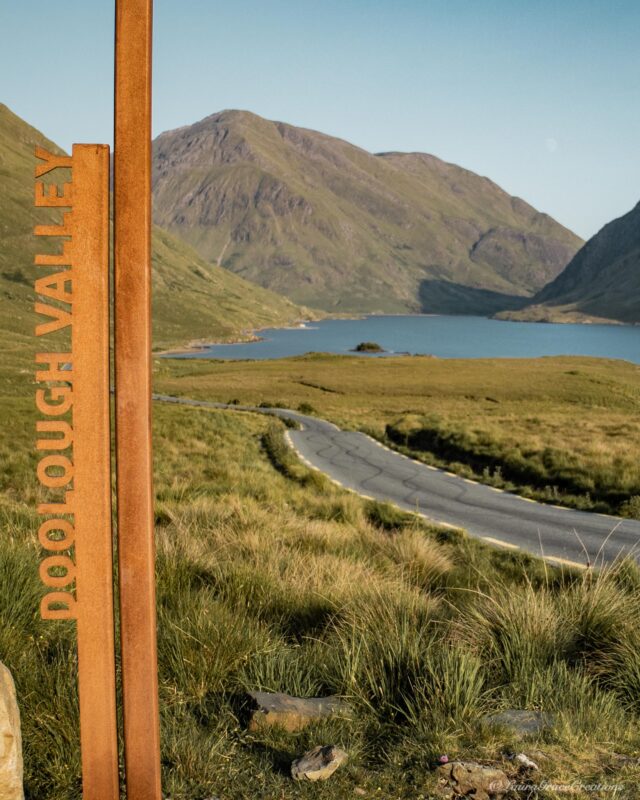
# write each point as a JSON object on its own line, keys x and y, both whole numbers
{"x": 270, "y": 577}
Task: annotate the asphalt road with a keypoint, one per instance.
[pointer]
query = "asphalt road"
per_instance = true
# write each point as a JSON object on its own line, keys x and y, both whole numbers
{"x": 357, "y": 462}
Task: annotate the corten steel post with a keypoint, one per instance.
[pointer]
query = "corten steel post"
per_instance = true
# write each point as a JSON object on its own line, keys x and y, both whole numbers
{"x": 132, "y": 265}
{"x": 83, "y": 389}
{"x": 92, "y": 476}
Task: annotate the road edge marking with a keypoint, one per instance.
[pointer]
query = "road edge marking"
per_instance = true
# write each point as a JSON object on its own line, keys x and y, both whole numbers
{"x": 555, "y": 561}
{"x": 565, "y": 562}
{"x": 500, "y": 543}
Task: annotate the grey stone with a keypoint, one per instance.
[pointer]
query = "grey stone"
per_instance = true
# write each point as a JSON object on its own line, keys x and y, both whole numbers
{"x": 524, "y": 761}
{"x": 520, "y": 722}
{"x": 292, "y": 713}
{"x": 468, "y": 779}
{"x": 10, "y": 740}
{"x": 318, "y": 764}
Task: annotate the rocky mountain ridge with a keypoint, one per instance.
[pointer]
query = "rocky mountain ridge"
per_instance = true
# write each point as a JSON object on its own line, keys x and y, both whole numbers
{"x": 331, "y": 225}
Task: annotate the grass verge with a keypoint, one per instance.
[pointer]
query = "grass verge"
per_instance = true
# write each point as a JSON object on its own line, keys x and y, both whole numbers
{"x": 276, "y": 579}
{"x": 562, "y": 430}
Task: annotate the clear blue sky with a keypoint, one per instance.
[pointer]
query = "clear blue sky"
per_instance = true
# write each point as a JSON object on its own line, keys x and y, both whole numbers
{"x": 543, "y": 96}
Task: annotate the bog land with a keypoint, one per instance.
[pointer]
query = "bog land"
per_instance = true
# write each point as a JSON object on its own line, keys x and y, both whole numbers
{"x": 563, "y": 429}
{"x": 270, "y": 577}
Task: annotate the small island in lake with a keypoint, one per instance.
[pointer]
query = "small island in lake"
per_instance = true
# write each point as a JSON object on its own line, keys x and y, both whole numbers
{"x": 369, "y": 347}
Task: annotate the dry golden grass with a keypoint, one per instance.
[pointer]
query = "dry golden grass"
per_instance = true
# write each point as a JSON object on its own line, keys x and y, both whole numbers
{"x": 560, "y": 429}
{"x": 274, "y": 578}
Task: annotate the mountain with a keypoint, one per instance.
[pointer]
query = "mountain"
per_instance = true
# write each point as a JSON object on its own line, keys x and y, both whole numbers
{"x": 333, "y": 226}
{"x": 602, "y": 281}
{"x": 192, "y": 299}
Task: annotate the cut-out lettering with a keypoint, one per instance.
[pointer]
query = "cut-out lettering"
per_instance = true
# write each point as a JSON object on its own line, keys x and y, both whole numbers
{"x": 63, "y": 541}
{"x": 60, "y": 367}
{"x": 58, "y": 605}
{"x": 56, "y": 471}
{"x": 65, "y": 507}
{"x": 55, "y": 481}
{"x": 59, "y": 563}
{"x": 51, "y": 197}
{"x": 58, "y": 286}
{"x": 54, "y": 442}
{"x": 63, "y": 259}
{"x": 51, "y": 161}
{"x": 59, "y": 319}
{"x": 54, "y": 401}
{"x": 55, "y": 230}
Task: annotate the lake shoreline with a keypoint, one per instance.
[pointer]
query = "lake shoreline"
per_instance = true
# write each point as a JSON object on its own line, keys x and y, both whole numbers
{"x": 251, "y": 335}
{"x": 440, "y": 336}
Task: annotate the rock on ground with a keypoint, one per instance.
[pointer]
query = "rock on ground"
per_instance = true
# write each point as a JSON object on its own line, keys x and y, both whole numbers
{"x": 468, "y": 779}
{"x": 318, "y": 764}
{"x": 10, "y": 740}
{"x": 524, "y": 761}
{"x": 292, "y": 713}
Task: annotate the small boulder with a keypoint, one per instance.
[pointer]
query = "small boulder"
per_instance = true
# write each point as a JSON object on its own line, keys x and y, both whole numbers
{"x": 468, "y": 779}
{"x": 10, "y": 740}
{"x": 292, "y": 713}
{"x": 318, "y": 764}
{"x": 524, "y": 761}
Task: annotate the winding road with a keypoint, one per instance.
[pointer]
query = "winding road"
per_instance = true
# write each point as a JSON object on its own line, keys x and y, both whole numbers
{"x": 357, "y": 462}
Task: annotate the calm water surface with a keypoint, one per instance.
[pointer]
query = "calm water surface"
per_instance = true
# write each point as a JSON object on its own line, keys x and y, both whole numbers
{"x": 442, "y": 336}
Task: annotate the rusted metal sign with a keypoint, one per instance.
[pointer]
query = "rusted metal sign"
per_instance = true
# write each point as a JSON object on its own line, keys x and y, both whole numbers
{"x": 74, "y": 468}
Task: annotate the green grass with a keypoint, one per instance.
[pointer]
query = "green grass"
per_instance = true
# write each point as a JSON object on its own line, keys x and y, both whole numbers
{"x": 562, "y": 430}
{"x": 271, "y": 577}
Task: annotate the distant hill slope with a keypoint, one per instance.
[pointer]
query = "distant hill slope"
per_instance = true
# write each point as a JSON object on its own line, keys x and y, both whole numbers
{"x": 602, "y": 280}
{"x": 331, "y": 225}
{"x": 191, "y": 298}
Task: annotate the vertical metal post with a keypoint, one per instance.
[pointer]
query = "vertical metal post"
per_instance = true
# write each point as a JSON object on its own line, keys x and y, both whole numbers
{"x": 132, "y": 260}
{"x": 92, "y": 476}
{"x": 73, "y": 398}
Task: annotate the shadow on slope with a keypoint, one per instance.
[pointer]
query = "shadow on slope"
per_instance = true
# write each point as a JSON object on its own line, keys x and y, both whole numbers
{"x": 445, "y": 297}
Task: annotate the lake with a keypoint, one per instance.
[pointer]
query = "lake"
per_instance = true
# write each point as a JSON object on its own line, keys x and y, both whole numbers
{"x": 442, "y": 336}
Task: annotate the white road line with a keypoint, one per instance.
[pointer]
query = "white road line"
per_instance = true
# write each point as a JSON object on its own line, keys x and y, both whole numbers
{"x": 565, "y": 562}
{"x": 433, "y": 521}
{"x": 554, "y": 560}
{"x": 500, "y": 543}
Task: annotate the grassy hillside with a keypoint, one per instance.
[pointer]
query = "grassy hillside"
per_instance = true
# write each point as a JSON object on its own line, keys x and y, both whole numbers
{"x": 333, "y": 226}
{"x": 192, "y": 299}
{"x": 564, "y": 430}
{"x": 602, "y": 281}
